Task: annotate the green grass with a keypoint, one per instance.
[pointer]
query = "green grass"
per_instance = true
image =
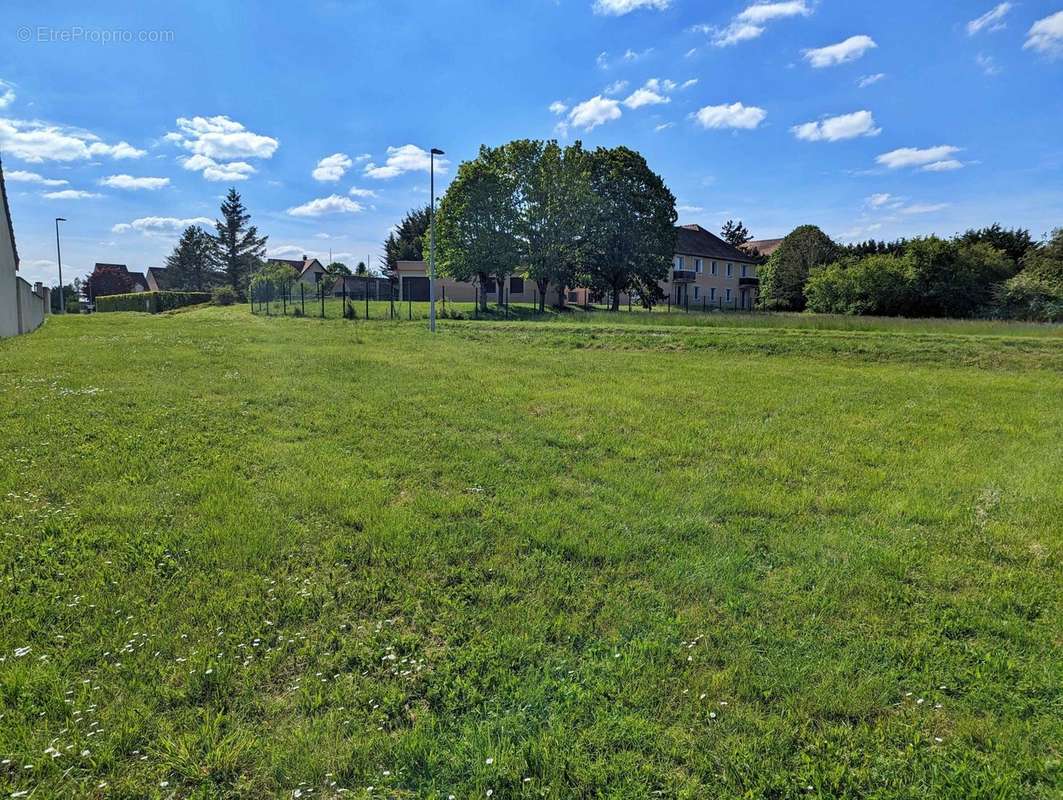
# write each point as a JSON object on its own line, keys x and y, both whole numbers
{"x": 251, "y": 556}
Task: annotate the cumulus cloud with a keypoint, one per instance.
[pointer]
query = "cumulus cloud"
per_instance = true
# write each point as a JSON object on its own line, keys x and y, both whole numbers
{"x": 333, "y": 204}
{"x": 651, "y": 94}
{"x": 870, "y": 80}
{"x": 991, "y": 20}
{"x": 881, "y": 199}
{"x": 988, "y": 64}
{"x": 407, "y": 158}
{"x": 356, "y": 192}
{"x": 1046, "y": 36}
{"x": 35, "y": 141}
{"x": 664, "y": 126}
{"x": 915, "y": 157}
{"x": 129, "y": 182}
{"x": 70, "y": 194}
{"x": 765, "y": 12}
{"x": 161, "y": 225}
{"x": 213, "y": 171}
{"x": 557, "y": 107}
{"x": 22, "y": 176}
{"x": 219, "y": 145}
{"x": 735, "y": 115}
{"x": 835, "y": 129}
{"x": 332, "y": 168}
{"x": 850, "y": 50}
{"x": 7, "y": 94}
{"x": 616, "y": 87}
{"x": 616, "y": 8}
{"x": 735, "y": 33}
{"x": 589, "y": 114}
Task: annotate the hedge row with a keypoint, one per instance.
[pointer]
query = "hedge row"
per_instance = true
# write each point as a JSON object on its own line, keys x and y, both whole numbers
{"x": 151, "y": 302}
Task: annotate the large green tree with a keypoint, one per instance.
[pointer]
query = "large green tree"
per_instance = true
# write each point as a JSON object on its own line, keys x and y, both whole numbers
{"x": 783, "y": 278}
{"x": 1013, "y": 242}
{"x": 630, "y": 228}
{"x": 1037, "y": 292}
{"x": 238, "y": 248}
{"x": 191, "y": 265}
{"x": 552, "y": 200}
{"x": 477, "y": 224}
{"x": 951, "y": 278}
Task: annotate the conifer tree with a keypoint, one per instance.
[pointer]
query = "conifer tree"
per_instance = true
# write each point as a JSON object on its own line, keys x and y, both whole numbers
{"x": 238, "y": 247}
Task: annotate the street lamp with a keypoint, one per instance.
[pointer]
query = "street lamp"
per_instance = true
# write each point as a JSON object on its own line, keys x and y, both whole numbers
{"x": 432, "y": 243}
{"x": 59, "y": 258}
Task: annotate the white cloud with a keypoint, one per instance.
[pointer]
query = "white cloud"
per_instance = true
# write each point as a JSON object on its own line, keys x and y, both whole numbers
{"x": 35, "y": 141}
{"x": 594, "y": 112}
{"x": 356, "y": 192}
{"x": 689, "y": 209}
{"x": 843, "y": 52}
{"x": 616, "y": 8}
{"x": 689, "y": 83}
{"x": 129, "y": 182}
{"x": 332, "y": 168}
{"x": 161, "y": 225}
{"x": 218, "y": 144}
{"x": 333, "y": 204}
{"x": 880, "y": 199}
{"x": 645, "y": 97}
{"x": 408, "y": 158}
{"x": 213, "y": 171}
{"x": 948, "y": 165}
{"x": 602, "y": 60}
{"x": 835, "y": 129}
{"x": 21, "y": 176}
{"x": 870, "y": 80}
{"x": 992, "y": 20}
{"x": 664, "y": 126}
{"x": 735, "y": 33}
{"x": 1046, "y": 36}
{"x": 616, "y": 87}
{"x": 637, "y": 55}
{"x": 988, "y": 64}
{"x": 914, "y": 157}
{"x": 749, "y": 24}
{"x": 557, "y": 107}
{"x": 765, "y": 12}
{"x": 221, "y": 139}
{"x": 735, "y": 115}
{"x": 924, "y": 208}
{"x": 7, "y": 94}
{"x": 70, "y": 194}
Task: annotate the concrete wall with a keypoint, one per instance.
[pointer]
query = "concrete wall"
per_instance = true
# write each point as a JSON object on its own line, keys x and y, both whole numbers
{"x": 8, "y": 285}
{"x": 32, "y": 305}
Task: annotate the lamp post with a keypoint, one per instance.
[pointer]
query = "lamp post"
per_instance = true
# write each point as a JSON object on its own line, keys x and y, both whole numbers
{"x": 432, "y": 242}
{"x": 59, "y": 259}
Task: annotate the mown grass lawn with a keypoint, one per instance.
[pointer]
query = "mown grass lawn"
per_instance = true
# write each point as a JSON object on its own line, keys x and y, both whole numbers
{"x": 251, "y": 557}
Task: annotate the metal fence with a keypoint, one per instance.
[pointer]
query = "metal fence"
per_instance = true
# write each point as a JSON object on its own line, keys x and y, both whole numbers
{"x": 380, "y": 300}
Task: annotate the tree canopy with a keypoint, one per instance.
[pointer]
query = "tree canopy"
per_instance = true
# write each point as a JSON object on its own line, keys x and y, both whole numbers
{"x": 192, "y": 264}
{"x": 409, "y": 241}
{"x": 782, "y": 279}
{"x": 735, "y": 233}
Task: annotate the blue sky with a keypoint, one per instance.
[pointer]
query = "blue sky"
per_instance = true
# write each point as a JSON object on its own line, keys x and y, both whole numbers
{"x": 869, "y": 119}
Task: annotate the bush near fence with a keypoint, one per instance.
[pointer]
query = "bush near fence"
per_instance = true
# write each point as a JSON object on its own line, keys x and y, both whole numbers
{"x": 151, "y": 302}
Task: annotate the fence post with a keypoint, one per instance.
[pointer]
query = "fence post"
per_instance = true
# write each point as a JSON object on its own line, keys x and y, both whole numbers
{"x": 321, "y": 294}
{"x": 367, "y": 295}
{"x": 391, "y": 295}
{"x": 284, "y": 302}
{"x": 344, "y": 291}
{"x": 409, "y": 308}
{"x": 444, "y": 288}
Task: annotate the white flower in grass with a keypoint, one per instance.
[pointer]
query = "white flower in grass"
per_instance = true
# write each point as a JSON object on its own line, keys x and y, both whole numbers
{"x": 489, "y": 761}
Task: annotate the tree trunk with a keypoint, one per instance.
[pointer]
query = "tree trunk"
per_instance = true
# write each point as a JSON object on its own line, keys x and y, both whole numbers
{"x": 543, "y": 286}
{"x": 561, "y": 297}
{"x": 615, "y": 304}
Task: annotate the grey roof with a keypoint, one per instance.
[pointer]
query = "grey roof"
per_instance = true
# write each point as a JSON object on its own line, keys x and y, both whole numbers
{"x": 694, "y": 240}
{"x": 7, "y": 213}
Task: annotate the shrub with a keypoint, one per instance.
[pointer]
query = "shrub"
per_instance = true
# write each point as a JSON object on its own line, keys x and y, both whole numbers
{"x": 150, "y": 302}
{"x": 223, "y": 296}
{"x": 874, "y": 285}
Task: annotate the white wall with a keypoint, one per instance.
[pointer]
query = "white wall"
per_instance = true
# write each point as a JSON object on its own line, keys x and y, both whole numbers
{"x": 8, "y": 284}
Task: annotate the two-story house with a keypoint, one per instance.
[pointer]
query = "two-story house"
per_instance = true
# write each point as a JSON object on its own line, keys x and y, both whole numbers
{"x": 707, "y": 272}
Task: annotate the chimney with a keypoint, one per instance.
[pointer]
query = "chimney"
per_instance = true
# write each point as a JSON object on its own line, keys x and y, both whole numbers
{"x": 304, "y": 258}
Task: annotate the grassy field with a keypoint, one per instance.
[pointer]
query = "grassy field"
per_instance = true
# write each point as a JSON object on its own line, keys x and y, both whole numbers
{"x": 258, "y": 557}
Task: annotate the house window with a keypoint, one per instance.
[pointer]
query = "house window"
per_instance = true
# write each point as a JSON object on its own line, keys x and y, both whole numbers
{"x": 713, "y": 267}
{"x": 573, "y": 297}
{"x": 697, "y": 292}
{"x": 697, "y": 265}
{"x": 730, "y": 270}
{"x": 728, "y": 296}
{"x": 745, "y": 270}
{"x": 516, "y": 285}
{"x": 678, "y": 262}
{"x": 712, "y": 292}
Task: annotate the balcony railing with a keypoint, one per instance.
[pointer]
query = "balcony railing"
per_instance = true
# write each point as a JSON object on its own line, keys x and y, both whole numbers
{"x": 683, "y": 276}
{"x": 749, "y": 282}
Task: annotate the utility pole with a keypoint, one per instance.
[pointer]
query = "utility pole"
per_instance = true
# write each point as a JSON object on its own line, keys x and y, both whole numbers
{"x": 432, "y": 242}
{"x": 59, "y": 259}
